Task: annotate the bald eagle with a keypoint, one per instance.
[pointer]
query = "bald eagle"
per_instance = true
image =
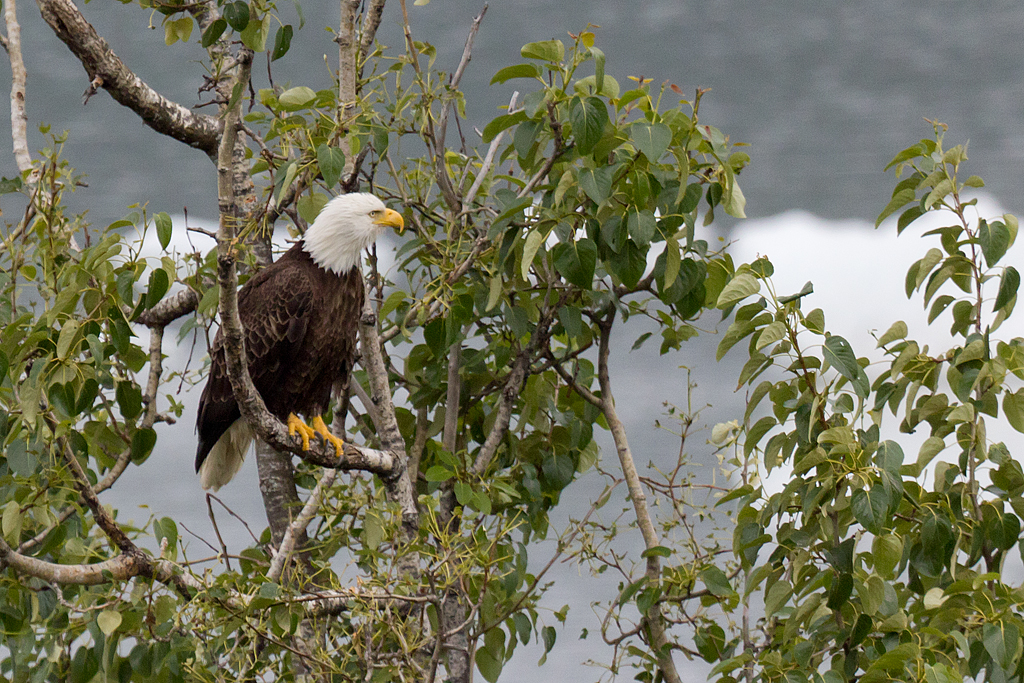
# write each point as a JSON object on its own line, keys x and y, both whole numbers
{"x": 300, "y": 317}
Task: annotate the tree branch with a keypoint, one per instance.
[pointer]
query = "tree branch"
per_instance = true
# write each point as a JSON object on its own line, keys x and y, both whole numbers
{"x": 453, "y": 84}
{"x": 653, "y": 619}
{"x": 371, "y": 22}
{"x": 510, "y": 394}
{"x": 99, "y": 61}
{"x": 298, "y": 526}
{"x": 398, "y": 485}
{"x": 19, "y": 119}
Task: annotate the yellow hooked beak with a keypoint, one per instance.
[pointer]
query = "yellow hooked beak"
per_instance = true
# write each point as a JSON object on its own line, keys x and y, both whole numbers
{"x": 392, "y": 219}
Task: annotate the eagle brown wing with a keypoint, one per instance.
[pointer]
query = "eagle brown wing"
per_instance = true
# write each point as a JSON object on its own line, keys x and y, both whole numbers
{"x": 275, "y": 307}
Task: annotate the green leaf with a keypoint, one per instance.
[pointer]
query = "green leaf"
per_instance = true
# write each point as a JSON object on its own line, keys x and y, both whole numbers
{"x": 310, "y": 206}
{"x": 1013, "y": 408}
{"x": 500, "y": 123}
{"x": 597, "y": 182}
{"x": 143, "y": 441}
{"x": 839, "y": 354}
{"x": 331, "y": 161}
{"x": 254, "y": 36}
{"x": 129, "y": 399}
{"x": 576, "y": 262}
{"x": 629, "y": 264}
{"x": 284, "y": 178}
{"x": 588, "y": 116}
{"x": 898, "y": 201}
{"x": 163, "y": 229}
{"x": 995, "y": 240}
{"x": 68, "y": 334}
{"x": 534, "y": 241}
{"x": 738, "y": 289}
{"x": 870, "y": 507}
{"x": 490, "y": 667}
{"x": 641, "y": 226}
{"x": 214, "y": 31}
{"x": 23, "y": 463}
{"x": 296, "y": 98}
{"x": 282, "y": 41}
{"x": 158, "y": 286}
{"x": 716, "y": 582}
{"x": 808, "y": 288}
{"x": 840, "y": 591}
{"x": 516, "y": 71}
{"x": 108, "y": 620}
{"x": 652, "y": 139}
{"x": 546, "y": 50}
{"x": 1008, "y": 285}
{"x": 237, "y": 15}
{"x": 438, "y": 473}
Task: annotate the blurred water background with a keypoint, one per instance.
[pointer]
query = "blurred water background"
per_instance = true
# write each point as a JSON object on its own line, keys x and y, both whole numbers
{"x": 825, "y": 92}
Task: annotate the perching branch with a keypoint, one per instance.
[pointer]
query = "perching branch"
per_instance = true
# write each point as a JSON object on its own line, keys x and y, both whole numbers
{"x": 100, "y": 62}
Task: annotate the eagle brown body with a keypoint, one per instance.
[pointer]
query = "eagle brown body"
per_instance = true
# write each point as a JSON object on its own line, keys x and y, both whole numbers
{"x": 296, "y": 349}
{"x": 300, "y": 317}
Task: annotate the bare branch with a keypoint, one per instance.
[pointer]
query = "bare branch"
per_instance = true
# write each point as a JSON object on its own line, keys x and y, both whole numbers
{"x": 19, "y": 119}
{"x": 485, "y": 167}
{"x": 299, "y": 525}
{"x": 170, "y": 309}
{"x": 467, "y": 54}
{"x": 653, "y": 620}
{"x": 399, "y": 487}
{"x": 99, "y": 61}
{"x": 371, "y": 21}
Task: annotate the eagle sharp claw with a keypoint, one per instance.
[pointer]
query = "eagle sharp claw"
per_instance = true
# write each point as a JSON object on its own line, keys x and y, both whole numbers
{"x": 322, "y": 430}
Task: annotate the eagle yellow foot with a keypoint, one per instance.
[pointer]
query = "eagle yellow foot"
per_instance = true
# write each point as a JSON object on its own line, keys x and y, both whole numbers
{"x": 305, "y": 432}
{"x": 322, "y": 430}
{"x": 297, "y": 426}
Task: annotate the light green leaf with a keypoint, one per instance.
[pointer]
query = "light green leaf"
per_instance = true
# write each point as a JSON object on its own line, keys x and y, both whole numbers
{"x": 738, "y": 289}
{"x": 546, "y": 50}
{"x": 672, "y": 261}
{"x": 652, "y": 139}
{"x": 898, "y": 330}
{"x": 254, "y": 36}
{"x": 534, "y": 241}
{"x": 108, "y": 620}
{"x": 771, "y": 334}
{"x": 296, "y": 98}
{"x": 68, "y": 333}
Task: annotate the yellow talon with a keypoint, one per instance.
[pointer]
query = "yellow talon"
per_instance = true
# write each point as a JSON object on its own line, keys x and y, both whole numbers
{"x": 297, "y": 426}
{"x": 322, "y": 430}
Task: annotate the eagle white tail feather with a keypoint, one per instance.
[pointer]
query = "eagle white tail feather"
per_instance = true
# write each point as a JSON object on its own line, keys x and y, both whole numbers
{"x": 226, "y": 456}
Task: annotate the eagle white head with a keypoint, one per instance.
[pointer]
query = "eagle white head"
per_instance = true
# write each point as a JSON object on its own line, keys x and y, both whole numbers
{"x": 346, "y": 225}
